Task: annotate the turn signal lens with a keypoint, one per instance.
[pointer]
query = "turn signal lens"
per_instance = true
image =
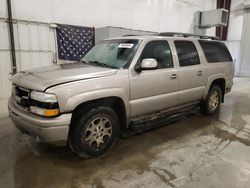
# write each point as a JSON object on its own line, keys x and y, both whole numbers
{"x": 52, "y": 112}
{"x": 44, "y": 112}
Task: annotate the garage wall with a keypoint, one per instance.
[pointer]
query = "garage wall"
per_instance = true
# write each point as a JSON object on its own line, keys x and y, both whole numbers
{"x": 151, "y": 15}
{"x": 235, "y": 33}
{"x": 5, "y": 68}
{"x": 245, "y": 55}
{"x": 35, "y": 40}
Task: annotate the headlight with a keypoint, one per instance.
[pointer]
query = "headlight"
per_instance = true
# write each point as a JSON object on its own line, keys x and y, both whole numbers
{"x": 43, "y": 97}
{"x": 44, "y": 104}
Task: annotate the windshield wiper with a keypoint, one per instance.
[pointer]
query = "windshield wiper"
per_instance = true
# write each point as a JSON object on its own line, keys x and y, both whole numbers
{"x": 102, "y": 64}
{"x": 98, "y": 63}
{"x": 82, "y": 61}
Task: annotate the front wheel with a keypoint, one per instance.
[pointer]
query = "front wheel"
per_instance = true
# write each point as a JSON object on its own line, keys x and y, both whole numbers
{"x": 94, "y": 132}
{"x": 212, "y": 103}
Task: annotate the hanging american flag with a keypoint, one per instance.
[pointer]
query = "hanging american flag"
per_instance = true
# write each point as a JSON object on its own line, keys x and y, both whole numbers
{"x": 73, "y": 42}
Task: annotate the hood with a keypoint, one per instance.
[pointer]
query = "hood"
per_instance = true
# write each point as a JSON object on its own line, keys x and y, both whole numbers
{"x": 44, "y": 77}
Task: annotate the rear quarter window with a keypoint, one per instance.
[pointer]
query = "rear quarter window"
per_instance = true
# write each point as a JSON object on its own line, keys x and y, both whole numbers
{"x": 215, "y": 52}
{"x": 187, "y": 53}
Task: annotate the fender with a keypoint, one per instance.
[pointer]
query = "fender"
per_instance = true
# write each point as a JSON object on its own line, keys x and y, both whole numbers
{"x": 210, "y": 80}
{"x": 76, "y": 100}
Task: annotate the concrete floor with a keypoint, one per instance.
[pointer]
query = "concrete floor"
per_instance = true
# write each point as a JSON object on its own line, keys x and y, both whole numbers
{"x": 196, "y": 151}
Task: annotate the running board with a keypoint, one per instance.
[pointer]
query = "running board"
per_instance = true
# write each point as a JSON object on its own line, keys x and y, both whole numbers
{"x": 160, "y": 118}
{"x": 156, "y": 123}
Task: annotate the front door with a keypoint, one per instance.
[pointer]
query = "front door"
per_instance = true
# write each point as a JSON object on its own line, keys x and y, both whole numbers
{"x": 154, "y": 90}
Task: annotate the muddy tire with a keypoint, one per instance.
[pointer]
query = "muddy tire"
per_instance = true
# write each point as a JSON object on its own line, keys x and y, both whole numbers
{"x": 212, "y": 103}
{"x": 93, "y": 131}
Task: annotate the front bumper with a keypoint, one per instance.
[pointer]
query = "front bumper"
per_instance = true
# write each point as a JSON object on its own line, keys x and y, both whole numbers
{"x": 48, "y": 130}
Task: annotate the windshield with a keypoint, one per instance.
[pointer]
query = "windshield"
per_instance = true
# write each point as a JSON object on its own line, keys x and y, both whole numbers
{"x": 112, "y": 53}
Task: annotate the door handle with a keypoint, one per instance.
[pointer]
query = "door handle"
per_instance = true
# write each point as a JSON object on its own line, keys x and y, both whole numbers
{"x": 173, "y": 77}
{"x": 199, "y": 73}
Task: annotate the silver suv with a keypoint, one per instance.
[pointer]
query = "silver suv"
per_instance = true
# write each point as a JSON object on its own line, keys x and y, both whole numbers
{"x": 123, "y": 84}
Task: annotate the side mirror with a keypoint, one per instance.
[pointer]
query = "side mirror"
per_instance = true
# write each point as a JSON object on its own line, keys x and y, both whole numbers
{"x": 147, "y": 64}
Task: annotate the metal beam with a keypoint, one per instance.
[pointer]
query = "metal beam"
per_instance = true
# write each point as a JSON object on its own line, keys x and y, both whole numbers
{"x": 12, "y": 41}
{"x": 14, "y": 20}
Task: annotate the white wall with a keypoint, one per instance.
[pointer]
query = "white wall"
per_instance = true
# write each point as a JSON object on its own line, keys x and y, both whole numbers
{"x": 245, "y": 47}
{"x": 150, "y": 15}
{"x": 235, "y": 32}
{"x": 239, "y": 38}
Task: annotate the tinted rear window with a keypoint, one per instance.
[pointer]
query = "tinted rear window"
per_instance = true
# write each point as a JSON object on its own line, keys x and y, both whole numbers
{"x": 215, "y": 51}
{"x": 187, "y": 53}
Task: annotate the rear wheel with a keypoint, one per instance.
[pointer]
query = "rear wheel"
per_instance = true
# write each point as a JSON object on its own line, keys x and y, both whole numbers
{"x": 94, "y": 132}
{"x": 212, "y": 103}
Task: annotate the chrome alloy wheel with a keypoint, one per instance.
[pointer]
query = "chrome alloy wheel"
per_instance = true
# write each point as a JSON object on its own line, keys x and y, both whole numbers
{"x": 214, "y": 100}
{"x": 98, "y": 132}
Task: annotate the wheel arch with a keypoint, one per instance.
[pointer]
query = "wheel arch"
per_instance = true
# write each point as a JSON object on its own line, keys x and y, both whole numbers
{"x": 114, "y": 102}
{"x": 219, "y": 81}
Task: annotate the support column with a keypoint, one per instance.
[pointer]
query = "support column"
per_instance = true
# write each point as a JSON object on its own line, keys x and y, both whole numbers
{"x": 221, "y": 32}
{"x": 11, "y": 35}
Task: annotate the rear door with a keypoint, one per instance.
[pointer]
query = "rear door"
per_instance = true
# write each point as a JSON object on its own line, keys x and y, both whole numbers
{"x": 219, "y": 60}
{"x": 191, "y": 72}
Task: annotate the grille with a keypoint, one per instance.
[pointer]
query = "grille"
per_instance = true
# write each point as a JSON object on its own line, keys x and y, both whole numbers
{"x": 21, "y": 96}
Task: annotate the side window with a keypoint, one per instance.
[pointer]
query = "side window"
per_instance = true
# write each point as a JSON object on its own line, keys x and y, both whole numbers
{"x": 187, "y": 53}
{"x": 160, "y": 51}
{"x": 215, "y": 51}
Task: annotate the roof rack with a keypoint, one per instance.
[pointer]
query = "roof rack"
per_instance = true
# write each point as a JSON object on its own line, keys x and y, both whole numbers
{"x": 130, "y": 35}
{"x": 186, "y": 35}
